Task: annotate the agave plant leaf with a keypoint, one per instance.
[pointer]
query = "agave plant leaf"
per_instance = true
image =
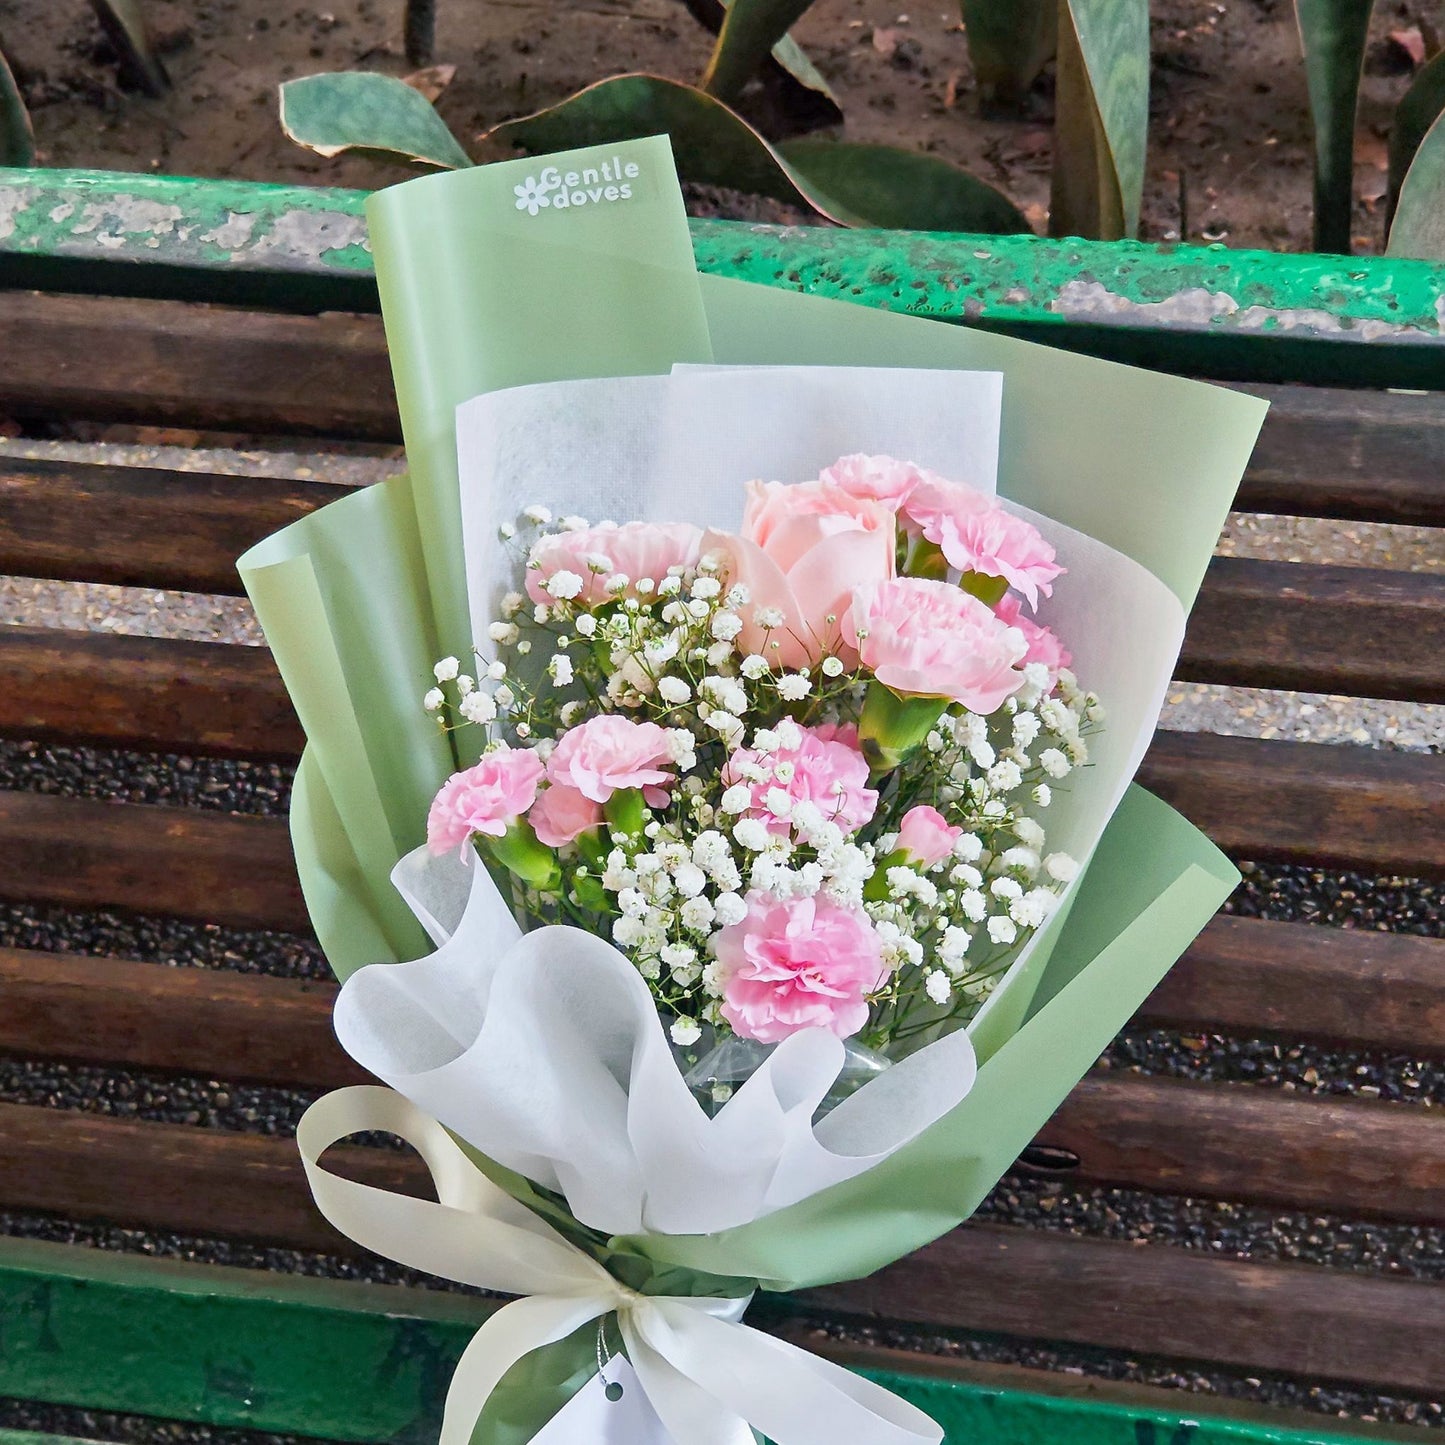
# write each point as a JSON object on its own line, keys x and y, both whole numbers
{"x": 853, "y": 185}
{"x": 1416, "y": 113}
{"x": 17, "y": 139}
{"x": 749, "y": 32}
{"x": 358, "y": 110}
{"x": 1333, "y": 34}
{"x": 419, "y": 31}
{"x": 1419, "y": 226}
{"x": 1102, "y": 124}
{"x": 125, "y": 28}
{"x": 1009, "y": 43}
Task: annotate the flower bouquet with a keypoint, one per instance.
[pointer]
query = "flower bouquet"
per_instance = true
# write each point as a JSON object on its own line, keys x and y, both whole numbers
{"x": 738, "y": 746}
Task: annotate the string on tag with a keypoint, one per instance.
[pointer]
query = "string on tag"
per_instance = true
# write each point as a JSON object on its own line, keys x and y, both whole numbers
{"x": 611, "y": 1388}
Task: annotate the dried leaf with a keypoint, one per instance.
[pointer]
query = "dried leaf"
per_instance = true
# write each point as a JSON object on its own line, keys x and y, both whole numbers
{"x": 885, "y": 41}
{"x": 431, "y": 81}
{"x": 1411, "y": 42}
{"x": 950, "y": 91}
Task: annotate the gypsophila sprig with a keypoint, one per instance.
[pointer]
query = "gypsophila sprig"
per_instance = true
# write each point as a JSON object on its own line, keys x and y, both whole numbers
{"x": 798, "y": 782}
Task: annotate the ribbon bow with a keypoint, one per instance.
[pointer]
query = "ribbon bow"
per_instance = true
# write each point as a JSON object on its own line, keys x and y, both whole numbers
{"x": 711, "y": 1379}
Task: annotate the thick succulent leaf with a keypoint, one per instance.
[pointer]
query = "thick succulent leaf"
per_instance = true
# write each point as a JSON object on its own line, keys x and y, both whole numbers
{"x": 1009, "y": 43}
{"x": 903, "y": 190}
{"x": 1102, "y": 124}
{"x": 357, "y": 110}
{"x": 787, "y": 70}
{"x": 749, "y": 33}
{"x": 419, "y": 31}
{"x": 125, "y": 27}
{"x": 1419, "y": 225}
{"x": 853, "y": 185}
{"x": 17, "y": 140}
{"x": 1415, "y": 114}
{"x": 1333, "y": 33}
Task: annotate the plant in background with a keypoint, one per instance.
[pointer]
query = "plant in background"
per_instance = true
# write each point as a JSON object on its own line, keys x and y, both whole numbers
{"x": 1101, "y": 53}
{"x": 125, "y": 28}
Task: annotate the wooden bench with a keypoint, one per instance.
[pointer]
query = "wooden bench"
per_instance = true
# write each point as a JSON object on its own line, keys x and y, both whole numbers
{"x": 234, "y": 308}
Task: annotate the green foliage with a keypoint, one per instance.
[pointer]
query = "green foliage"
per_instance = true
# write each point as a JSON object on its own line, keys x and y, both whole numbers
{"x": 1333, "y": 34}
{"x": 125, "y": 28}
{"x": 1416, "y": 113}
{"x": 356, "y": 110}
{"x": 1419, "y": 224}
{"x": 1102, "y": 118}
{"x": 17, "y": 140}
{"x": 1009, "y": 43}
{"x": 750, "y": 31}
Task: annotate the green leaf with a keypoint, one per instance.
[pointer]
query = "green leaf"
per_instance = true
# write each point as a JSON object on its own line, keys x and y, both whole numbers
{"x": 356, "y": 110}
{"x": 1419, "y": 225}
{"x": 750, "y": 31}
{"x": 1414, "y": 115}
{"x": 125, "y": 28}
{"x": 1333, "y": 33}
{"x": 788, "y": 66}
{"x": 17, "y": 139}
{"x": 853, "y": 185}
{"x": 1102, "y": 125}
{"x": 1009, "y": 43}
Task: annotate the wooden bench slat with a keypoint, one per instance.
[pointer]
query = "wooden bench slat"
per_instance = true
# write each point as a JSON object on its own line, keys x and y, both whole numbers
{"x": 115, "y": 359}
{"x": 1248, "y": 976}
{"x": 246, "y": 1027}
{"x": 1309, "y": 628}
{"x": 1256, "y": 1145}
{"x": 210, "y": 867}
{"x": 1340, "y": 806}
{"x": 1320, "y": 1323}
{"x": 141, "y": 526}
{"x": 153, "y": 693}
{"x": 1356, "y": 455}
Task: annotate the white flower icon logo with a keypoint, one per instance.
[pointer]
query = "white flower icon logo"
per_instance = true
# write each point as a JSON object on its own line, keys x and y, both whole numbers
{"x": 531, "y": 196}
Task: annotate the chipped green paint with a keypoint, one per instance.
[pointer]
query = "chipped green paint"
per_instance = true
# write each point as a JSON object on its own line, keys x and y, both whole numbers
{"x": 1356, "y": 320}
{"x": 359, "y": 1362}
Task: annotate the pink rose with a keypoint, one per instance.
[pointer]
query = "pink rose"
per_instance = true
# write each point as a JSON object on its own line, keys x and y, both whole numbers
{"x": 561, "y": 815}
{"x": 486, "y": 798}
{"x": 925, "y": 835}
{"x": 800, "y": 964}
{"x": 932, "y": 639}
{"x": 881, "y": 479}
{"x": 825, "y": 770}
{"x": 1044, "y": 644}
{"x": 802, "y": 550}
{"x": 637, "y": 549}
{"x": 976, "y": 534}
{"x": 608, "y": 753}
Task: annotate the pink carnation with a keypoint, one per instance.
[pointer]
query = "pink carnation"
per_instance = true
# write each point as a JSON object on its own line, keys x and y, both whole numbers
{"x": 1044, "y": 644}
{"x": 799, "y": 964}
{"x": 927, "y": 836}
{"x": 933, "y": 639}
{"x": 976, "y": 534}
{"x": 486, "y": 798}
{"x": 561, "y": 815}
{"x": 826, "y": 769}
{"x": 881, "y": 479}
{"x": 608, "y": 753}
{"x": 637, "y": 549}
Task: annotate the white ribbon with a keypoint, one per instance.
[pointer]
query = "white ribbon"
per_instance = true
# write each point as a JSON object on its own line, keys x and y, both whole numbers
{"x": 711, "y": 1379}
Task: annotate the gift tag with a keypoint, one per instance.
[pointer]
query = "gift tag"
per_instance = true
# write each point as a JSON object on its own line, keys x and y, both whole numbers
{"x": 610, "y": 1409}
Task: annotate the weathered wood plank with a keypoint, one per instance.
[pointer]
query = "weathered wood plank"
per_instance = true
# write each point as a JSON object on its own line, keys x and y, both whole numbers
{"x": 1323, "y": 1324}
{"x": 144, "y": 692}
{"x": 141, "y": 526}
{"x": 1245, "y": 1142}
{"x": 1310, "y": 628}
{"x": 1347, "y": 807}
{"x": 113, "y": 359}
{"x": 180, "y": 862}
{"x": 246, "y": 1027}
{"x": 1247, "y": 977}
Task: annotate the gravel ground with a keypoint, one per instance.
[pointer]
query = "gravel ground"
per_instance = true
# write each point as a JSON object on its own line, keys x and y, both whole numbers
{"x": 1299, "y": 894}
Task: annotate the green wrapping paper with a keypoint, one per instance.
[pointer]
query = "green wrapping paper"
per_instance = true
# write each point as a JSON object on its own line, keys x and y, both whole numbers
{"x": 358, "y": 600}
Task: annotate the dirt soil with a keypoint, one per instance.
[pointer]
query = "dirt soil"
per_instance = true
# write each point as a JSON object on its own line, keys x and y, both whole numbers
{"x": 1229, "y": 145}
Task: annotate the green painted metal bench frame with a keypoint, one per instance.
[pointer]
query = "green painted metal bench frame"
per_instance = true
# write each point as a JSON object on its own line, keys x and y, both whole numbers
{"x": 354, "y": 1362}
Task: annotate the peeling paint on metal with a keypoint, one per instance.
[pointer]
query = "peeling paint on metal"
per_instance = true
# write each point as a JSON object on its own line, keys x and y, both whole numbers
{"x": 111, "y": 220}
{"x": 312, "y": 234}
{"x": 233, "y": 232}
{"x": 13, "y": 203}
{"x": 63, "y": 212}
